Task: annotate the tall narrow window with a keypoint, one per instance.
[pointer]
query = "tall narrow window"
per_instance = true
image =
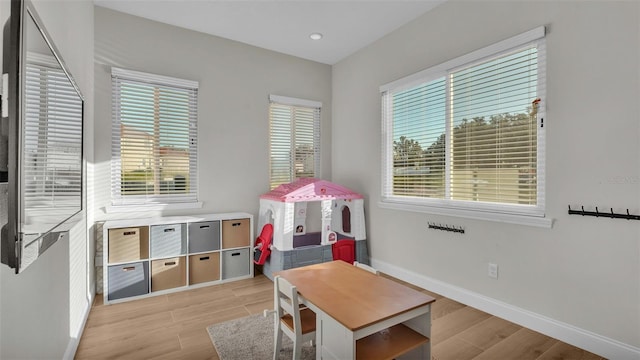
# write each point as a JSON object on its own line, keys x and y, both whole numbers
{"x": 468, "y": 134}
{"x": 294, "y": 139}
{"x": 154, "y": 141}
{"x": 346, "y": 220}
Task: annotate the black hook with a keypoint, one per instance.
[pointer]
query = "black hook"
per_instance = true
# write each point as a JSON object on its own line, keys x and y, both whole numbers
{"x": 597, "y": 214}
{"x": 628, "y": 215}
{"x": 582, "y": 210}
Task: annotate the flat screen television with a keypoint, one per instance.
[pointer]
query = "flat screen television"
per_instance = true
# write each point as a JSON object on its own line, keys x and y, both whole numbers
{"x": 41, "y": 143}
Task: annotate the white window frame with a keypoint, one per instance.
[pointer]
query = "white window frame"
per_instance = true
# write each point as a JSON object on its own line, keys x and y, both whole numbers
{"x": 526, "y": 215}
{"x": 120, "y": 203}
{"x": 295, "y": 102}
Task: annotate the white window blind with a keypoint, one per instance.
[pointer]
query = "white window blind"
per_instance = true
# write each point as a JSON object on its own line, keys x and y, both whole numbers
{"x": 468, "y": 134}
{"x": 154, "y": 140}
{"x": 52, "y": 138}
{"x": 294, "y": 139}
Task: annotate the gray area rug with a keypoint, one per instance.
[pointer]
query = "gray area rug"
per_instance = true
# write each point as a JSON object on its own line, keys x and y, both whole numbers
{"x": 251, "y": 338}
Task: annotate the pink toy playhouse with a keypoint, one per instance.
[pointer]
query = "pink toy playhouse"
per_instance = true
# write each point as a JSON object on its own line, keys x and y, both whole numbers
{"x": 313, "y": 220}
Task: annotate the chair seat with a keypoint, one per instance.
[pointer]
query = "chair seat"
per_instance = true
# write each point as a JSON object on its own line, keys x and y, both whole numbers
{"x": 307, "y": 319}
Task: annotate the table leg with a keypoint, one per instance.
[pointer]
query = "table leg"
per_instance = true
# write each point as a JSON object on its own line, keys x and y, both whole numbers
{"x": 338, "y": 343}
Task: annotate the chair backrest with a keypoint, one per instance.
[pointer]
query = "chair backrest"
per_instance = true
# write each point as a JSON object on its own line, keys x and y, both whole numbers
{"x": 286, "y": 302}
{"x": 365, "y": 267}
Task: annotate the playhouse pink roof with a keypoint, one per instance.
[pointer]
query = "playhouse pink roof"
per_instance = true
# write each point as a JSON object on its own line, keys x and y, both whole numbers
{"x": 310, "y": 189}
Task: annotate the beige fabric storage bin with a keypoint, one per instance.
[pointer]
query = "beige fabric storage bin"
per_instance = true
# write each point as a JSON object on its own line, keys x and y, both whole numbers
{"x": 128, "y": 244}
{"x": 168, "y": 273}
{"x": 204, "y": 268}
{"x": 236, "y": 233}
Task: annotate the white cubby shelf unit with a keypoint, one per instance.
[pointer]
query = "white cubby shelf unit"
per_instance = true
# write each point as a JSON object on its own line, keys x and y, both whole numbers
{"x": 155, "y": 256}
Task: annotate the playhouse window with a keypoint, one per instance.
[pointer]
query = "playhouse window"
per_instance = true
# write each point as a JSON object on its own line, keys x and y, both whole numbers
{"x": 294, "y": 139}
{"x": 154, "y": 140}
{"x": 346, "y": 220}
{"x": 468, "y": 134}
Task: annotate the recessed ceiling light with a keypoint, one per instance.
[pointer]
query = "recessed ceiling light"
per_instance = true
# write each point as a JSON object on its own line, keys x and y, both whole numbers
{"x": 316, "y": 36}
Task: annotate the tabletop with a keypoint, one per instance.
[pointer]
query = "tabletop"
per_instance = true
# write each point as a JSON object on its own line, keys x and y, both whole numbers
{"x": 354, "y": 297}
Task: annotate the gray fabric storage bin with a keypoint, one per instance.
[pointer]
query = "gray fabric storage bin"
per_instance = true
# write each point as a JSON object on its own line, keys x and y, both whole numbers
{"x": 204, "y": 236}
{"x": 127, "y": 280}
{"x": 168, "y": 240}
{"x": 235, "y": 263}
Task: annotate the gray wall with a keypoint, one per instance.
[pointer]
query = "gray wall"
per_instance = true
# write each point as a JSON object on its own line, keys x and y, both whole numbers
{"x": 42, "y": 310}
{"x": 584, "y": 272}
{"x": 233, "y": 125}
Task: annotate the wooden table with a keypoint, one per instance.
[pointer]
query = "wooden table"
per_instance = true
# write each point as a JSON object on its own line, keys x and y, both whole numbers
{"x": 360, "y": 315}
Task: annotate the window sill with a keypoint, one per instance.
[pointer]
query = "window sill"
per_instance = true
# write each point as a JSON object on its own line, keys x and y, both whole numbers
{"x": 113, "y": 209}
{"x": 518, "y": 219}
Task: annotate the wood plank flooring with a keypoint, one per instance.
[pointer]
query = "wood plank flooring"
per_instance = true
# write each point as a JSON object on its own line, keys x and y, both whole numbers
{"x": 173, "y": 326}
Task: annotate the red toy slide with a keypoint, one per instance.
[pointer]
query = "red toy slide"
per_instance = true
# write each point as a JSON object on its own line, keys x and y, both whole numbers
{"x": 263, "y": 245}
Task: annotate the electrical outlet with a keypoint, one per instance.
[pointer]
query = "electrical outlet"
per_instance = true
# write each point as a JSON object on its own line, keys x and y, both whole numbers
{"x": 493, "y": 271}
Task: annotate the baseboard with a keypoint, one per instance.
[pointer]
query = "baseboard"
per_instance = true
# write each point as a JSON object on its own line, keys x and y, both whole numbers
{"x": 74, "y": 341}
{"x": 597, "y": 344}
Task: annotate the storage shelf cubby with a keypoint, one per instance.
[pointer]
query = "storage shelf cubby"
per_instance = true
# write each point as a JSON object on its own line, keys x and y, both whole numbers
{"x": 146, "y": 257}
{"x": 389, "y": 343}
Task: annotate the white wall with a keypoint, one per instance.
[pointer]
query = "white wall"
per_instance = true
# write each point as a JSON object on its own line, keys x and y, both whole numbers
{"x": 233, "y": 127}
{"x": 584, "y": 272}
{"x": 43, "y": 309}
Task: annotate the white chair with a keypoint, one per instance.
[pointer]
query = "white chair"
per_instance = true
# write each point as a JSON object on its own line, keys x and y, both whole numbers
{"x": 298, "y": 323}
{"x": 365, "y": 267}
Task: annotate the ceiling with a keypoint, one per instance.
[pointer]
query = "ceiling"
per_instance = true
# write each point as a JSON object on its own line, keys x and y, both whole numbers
{"x": 285, "y": 26}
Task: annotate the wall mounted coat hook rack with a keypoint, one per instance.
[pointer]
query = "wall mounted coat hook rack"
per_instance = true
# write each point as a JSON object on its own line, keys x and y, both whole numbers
{"x": 452, "y": 228}
{"x": 597, "y": 213}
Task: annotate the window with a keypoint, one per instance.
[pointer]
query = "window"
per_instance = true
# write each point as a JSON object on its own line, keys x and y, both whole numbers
{"x": 294, "y": 134}
{"x": 154, "y": 147}
{"x": 467, "y": 136}
{"x": 346, "y": 220}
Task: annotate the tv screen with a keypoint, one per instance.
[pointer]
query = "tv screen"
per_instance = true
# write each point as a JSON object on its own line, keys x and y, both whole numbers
{"x": 43, "y": 132}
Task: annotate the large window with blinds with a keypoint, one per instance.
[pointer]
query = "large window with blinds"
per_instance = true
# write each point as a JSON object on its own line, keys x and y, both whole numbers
{"x": 294, "y": 139}
{"x": 154, "y": 140}
{"x": 469, "y": 134}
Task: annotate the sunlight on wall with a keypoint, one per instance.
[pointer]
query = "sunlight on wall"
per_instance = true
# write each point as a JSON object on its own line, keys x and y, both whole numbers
{"x": 78, "y": 299}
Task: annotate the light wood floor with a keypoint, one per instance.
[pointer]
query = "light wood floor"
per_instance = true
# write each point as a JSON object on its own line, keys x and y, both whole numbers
{"x": 173, "y": 326}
